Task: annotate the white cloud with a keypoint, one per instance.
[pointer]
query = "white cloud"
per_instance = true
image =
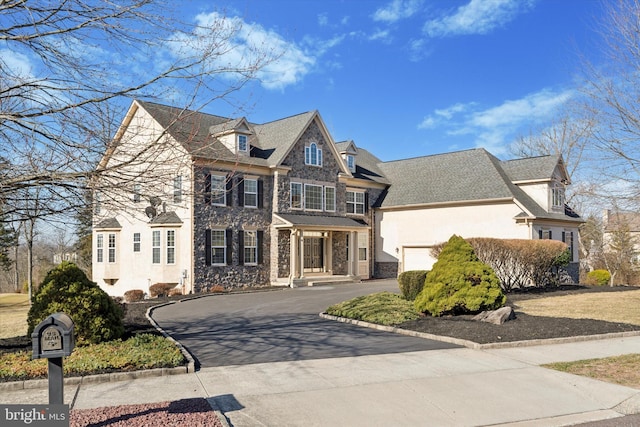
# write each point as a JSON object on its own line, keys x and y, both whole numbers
{"x": 477, "y": 17}
{"x": 16, "y": 63}
{"x": 383, "y": 35}
{"x": 240, "y": 44}
{"x": 323, "y": 19}
{"x": 397, "y": 10}
{"x": 495, "y": 127}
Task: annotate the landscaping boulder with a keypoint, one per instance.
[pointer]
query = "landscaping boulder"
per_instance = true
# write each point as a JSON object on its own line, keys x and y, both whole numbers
{"x": 497, "y": 317}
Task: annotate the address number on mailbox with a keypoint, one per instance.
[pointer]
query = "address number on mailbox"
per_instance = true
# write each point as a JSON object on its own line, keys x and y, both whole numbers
{"x": 51, "y": 339}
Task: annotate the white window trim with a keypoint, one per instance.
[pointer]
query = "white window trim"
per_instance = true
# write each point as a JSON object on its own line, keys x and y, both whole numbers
{"x": 355, "y": 203}
{"x": 224, "y": 190}
{"x": 253, "y": 248}
{"x": 325, "y": 198}
{"x": 171, "y": 248}
{"x": 301, "y": 207}
{"x": 351, "y": 162}
{"x": 223, "y": 247}
{"x": 250, "y": 192}
{"x": 177, "y": 189}
{"x": 156, "y": 245}
{"x": 304, "y": 197}
{"x": 111, "y": 248}
{"x": 307, "y": 155}
{"x": 246, "y": 143}
{"x": 100, "y": 248}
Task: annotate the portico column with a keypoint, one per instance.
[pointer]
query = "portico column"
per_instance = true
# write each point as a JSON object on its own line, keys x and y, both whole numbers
{"x": 301, "y": 251}
{"x": 293, "y": 254}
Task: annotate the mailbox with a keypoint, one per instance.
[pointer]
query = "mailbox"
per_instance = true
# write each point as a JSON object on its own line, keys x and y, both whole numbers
{"x": 53, "y": 337}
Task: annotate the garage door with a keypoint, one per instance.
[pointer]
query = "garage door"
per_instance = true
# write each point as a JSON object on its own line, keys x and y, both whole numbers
{"x": 417, "y": 258}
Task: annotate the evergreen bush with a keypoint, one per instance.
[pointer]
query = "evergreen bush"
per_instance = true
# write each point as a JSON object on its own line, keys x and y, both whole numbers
{"x": 96, "y": 316}
{"x": 598, "y": 278}
{"x": 459, "y": 283}
{"x": 411, "y": 283}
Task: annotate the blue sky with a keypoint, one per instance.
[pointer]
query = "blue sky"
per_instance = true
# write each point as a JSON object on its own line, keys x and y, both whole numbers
{"x": 406, "y": 78}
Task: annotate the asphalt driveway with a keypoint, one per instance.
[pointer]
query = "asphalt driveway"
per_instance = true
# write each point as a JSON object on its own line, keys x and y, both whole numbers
{"x": 280, "y": 325}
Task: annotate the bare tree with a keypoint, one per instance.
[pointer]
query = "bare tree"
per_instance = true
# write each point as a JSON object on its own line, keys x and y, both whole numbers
{"x": 68, "y": 70}
{"x": 611, "y": 92}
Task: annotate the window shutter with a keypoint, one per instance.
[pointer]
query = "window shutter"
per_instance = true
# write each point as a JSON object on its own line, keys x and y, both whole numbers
{"x": 366, "y": 202}
{"x": 207, "y": 247}
{"x": 564, "y": 237}
{"x": 207, "y": 188}
{"x": 240, "y": 247}
{"x": 550, "y": 238}
{"x": 229, "y": 236}
{"x": 240, "y": 191}
{"x": 229, "y": 191}
{"x": 540, "y": 234}
{"x": 260, "y": 237}
{"x": 260, "y": 193}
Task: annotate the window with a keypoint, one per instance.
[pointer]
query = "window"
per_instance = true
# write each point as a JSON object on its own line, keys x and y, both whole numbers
{"x": 313, "y": 197}
{"x": 557, "y": 196}
{"x": 355, "y": 202}
{"x": 544, "y": 234}
{"x": 100, "y": 248}
{"x": 362, "y": 254}
{"x": 112, "y": 247}
{"x": 330, "y": 199}
{"x": 251, "y": 193}
{"x": 171, "y": 246}
{"x": 313, "y": 155}
{"x": 136, "y": 193}
{"x": 136, "y": 242}
{"x": 296, "y": 195}
{"x": 218, "y": 247}
{"x": 351, "y": 162}
{"x": 250, "y": 247}
{"x": 242, "y": 143}
{"x": 177, "y": 189}
{"x": 155, "y": 245}
{"x": 218, "y": 190}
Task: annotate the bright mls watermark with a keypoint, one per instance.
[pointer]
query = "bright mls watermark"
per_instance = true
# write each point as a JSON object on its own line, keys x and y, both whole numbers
{"x": 34, "y": 415}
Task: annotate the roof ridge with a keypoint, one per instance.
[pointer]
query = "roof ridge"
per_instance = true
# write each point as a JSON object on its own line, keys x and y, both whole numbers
{"x": 435, "y": 155}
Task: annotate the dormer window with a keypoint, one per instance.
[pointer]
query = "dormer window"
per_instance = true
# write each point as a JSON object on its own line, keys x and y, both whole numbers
{"x": 557, "y": 196}
{"x": 313, "y": 155}
{"x": 242, "y": 143}
{"x": 351, "y": 162}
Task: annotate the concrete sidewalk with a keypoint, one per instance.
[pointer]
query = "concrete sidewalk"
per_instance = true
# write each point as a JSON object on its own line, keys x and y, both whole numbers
{"x": 453, "y": 387}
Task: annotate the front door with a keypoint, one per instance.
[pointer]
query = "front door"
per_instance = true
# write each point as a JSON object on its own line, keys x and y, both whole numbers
{"x": 313, "y": 254}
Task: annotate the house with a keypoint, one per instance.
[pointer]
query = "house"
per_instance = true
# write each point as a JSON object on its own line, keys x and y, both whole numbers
{"x": 200, "y": 201}
{"x": 621, "y": 234}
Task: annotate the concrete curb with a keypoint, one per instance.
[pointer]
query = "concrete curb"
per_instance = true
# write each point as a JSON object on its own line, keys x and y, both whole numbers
{"x": 191, "y": 365}
{"x": 475, "y": 345}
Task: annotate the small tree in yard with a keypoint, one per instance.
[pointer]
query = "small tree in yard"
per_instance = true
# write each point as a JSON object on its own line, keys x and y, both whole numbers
{"x": 96, "y": 316}
{"x": 459, "y": 283}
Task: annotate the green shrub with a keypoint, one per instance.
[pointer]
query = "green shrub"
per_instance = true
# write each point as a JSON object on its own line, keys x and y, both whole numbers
{"x": 459, "y": 283}
{"x": 383, "y": 308}
{"x": 411, "y": 283}
{"x": 134, "y": 295}
{"x": 598, "y": 277}
{"x": 67, "y": 289}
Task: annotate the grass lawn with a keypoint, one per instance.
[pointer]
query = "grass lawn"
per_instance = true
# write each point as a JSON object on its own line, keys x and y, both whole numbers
{"x": 13, "y": 315}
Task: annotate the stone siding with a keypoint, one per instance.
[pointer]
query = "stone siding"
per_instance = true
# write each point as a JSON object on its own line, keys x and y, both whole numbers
{"x": 284, "y": 253}
{"x": 339, "y": 253}
{"x": 386, "y": 270}
{"x": 236, "y": 218}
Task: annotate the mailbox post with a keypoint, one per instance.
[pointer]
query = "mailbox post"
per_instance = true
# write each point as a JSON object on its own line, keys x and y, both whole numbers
{"x": 53, "y": 339}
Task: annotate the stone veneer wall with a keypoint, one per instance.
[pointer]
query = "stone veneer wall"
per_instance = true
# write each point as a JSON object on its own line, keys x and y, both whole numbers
{"x": 284, "y": 253}
{"x": 386, "y": 270}
{"x": 339, "y": 252}
{"x": 236, "y": 218}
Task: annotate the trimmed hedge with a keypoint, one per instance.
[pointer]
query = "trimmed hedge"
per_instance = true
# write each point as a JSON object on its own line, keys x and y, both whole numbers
{"x": 520, "y": 263}
{"x": 459, "y": 283}
{"x": 134, "y": 295}
{"x": 411, "y": 283}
